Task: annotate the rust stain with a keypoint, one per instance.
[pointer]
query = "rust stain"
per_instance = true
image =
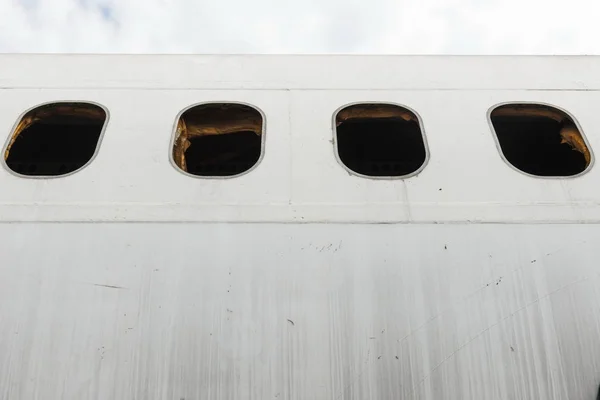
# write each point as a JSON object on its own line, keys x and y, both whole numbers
{"x": 529, "y": 110}
{"x": 569, "y": 134}
{"x": 213, "y": 119}
{"x": 57, "y": 113}
{"x": 363, "y": 111}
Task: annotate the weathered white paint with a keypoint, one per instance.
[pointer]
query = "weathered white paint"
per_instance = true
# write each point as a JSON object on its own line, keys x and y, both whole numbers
{"x": 130, "y": 280}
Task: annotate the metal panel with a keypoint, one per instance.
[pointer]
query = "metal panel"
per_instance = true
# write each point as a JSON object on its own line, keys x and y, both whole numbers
{"x": 261, "y": 311}
{"x": 469, "y": 280}
{"x": 299, "y": 178}
{"x": 259, "y": 72}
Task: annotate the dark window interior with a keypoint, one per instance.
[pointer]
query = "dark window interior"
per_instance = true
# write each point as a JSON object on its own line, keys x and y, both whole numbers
{"x": 218, "y": 139}
{"x": 389, "y": 146}
{"x": 55, "y": 144}
{"x": 223, "y": 155}
{"x": 532, "y": 143}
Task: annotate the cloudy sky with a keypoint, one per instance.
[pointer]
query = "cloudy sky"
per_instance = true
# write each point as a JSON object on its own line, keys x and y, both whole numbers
{"x": 301, "y": 26}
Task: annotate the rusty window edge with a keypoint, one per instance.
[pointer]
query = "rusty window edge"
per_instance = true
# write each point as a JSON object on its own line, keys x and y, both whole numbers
{"x": 87, "y": 109}
{"x": 185, "y": 128}
{"x": 543, "y": 109}
{"x": 577, "y": 139}
{"x": 379, "y": 109}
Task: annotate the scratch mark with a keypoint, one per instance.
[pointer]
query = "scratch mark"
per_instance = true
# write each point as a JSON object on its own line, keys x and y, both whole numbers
{"x": 339, "y": 246}
{"x": 483, "y": 332}
{"x": 558, "y": 250}
{"x": 443, "y": 312}
{"x": 326, "y": 247}
{"x": 351, "y": 383}
{"x": 291, "y": 322}
{"x": 357, "y": 377}
{"x": 109, "y": 286}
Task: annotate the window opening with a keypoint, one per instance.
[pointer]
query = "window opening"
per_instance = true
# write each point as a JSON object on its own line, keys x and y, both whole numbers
{"x": 218, "y": 139}
{"x": 380, "y": 140}
{"x": 55, "y": 139}
{"x": 540, "y": 140}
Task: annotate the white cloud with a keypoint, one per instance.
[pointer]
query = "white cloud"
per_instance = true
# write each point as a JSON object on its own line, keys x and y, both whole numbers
{"x": 308, "y": 26}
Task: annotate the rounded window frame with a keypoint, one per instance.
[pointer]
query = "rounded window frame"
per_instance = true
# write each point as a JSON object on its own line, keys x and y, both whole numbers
{"x": 540, "y": 103}
{"x": 24, "y": 113}
{"x": 263, "y": 140}
{"x": 380, "y": 178}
